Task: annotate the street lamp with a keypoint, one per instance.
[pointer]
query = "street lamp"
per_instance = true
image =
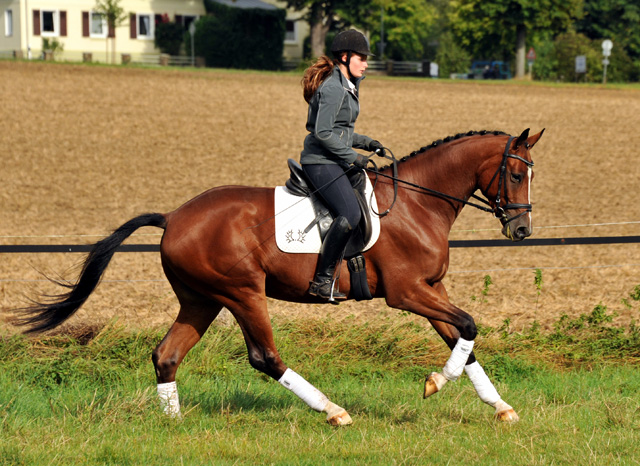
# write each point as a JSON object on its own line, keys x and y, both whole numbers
{"x": 607, "y": 45}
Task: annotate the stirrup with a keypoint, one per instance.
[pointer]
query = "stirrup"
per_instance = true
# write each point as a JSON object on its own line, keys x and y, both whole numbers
{"x": 325, "y": 290}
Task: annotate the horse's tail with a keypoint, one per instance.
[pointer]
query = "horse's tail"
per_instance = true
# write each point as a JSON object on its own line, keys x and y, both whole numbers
{"x": 45, "y": 316}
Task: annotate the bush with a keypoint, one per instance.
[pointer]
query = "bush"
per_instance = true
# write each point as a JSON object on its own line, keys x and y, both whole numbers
{"x": 169, "y": 37}
{"x": 241, "y": 38}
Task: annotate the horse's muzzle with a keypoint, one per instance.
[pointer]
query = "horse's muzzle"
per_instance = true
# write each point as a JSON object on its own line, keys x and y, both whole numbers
{"x": 516, "y": 232}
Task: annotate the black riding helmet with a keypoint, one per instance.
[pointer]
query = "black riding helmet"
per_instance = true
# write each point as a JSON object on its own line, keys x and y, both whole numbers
{"x": 350, "y": 41}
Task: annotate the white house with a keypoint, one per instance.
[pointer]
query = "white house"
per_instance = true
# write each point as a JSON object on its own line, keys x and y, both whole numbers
{"x": 83, "y": 33}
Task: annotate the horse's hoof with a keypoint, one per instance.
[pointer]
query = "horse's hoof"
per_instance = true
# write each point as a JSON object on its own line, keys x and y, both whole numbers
{"x": 433, "y": 383}
{"x": 508, "y": 415}
{"x": 340, "y": 419}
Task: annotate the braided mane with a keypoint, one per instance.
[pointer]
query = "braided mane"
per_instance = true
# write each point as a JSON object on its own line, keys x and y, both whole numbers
{"x": 439, "y": 142}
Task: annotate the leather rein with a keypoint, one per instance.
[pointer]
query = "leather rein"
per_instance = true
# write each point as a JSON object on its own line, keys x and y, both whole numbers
{"x": 499, "y": 211}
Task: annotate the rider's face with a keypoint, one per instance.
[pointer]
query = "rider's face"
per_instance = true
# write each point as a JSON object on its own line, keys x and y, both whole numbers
{"x": 357, "y": 65}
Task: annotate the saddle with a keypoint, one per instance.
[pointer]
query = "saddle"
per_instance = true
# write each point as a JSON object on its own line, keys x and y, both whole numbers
{"x": 299, "y": 185}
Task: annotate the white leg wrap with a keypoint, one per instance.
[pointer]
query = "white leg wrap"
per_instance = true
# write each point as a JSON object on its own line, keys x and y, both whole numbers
{"x": 485, "y": 389}
{"x": 455, "y": 365}
{"x": 168, "y": 394}
{"x": 313, "y": 397}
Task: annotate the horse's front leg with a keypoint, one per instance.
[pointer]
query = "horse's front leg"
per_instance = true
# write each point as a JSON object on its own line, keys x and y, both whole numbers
{"x": 481, "y": 382}
{"x": 459, "y": 331}
{"x": 484, "y": 388}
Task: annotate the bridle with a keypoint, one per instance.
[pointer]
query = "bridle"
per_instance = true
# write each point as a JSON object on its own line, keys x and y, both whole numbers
{"x": 498, "y": 210}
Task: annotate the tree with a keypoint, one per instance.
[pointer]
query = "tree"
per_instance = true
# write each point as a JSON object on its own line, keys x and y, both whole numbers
{"x": 490, "y": 28}
{"x": 325, "y": 15}
{"x": 616, "y": 20}
{"x": 407, "y": 25}
{"x": 115, "y": 16}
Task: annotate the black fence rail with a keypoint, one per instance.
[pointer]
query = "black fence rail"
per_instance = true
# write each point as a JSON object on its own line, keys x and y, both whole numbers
{"x": 482, "y": 243}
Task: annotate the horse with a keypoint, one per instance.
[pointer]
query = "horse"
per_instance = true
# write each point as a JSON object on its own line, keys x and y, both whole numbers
{"x": 218, "y": 250}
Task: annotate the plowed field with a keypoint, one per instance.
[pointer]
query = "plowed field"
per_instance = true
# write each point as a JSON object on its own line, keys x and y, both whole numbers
{"x": 85, "y": 148}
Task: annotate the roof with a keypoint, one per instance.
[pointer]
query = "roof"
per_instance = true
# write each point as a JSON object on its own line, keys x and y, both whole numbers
{"x": 246, "y": 4}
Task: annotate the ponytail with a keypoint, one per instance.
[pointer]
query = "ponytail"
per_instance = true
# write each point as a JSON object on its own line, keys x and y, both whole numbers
{"x": 320, "y": 70}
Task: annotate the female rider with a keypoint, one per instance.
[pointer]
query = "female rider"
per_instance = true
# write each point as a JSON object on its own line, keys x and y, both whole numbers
{"x": 331, "y": 90}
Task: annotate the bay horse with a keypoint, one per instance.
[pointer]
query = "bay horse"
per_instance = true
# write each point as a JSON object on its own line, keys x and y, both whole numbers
{"x": 218, "y": 250}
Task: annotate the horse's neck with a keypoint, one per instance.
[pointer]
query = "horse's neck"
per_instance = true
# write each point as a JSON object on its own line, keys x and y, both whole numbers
{"x": 450, "y": 168}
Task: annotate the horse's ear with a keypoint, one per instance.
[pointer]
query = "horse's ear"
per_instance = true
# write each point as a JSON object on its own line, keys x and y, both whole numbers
{"x": 533, "y": 139}
{"x": 521, "y": 139}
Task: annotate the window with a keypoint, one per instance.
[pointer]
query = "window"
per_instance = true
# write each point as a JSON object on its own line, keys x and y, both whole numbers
{"x": 49, "y": 21}
{"x": 8, "y": 23}
{"x": 290, "y": 31}
{"x": 98, "y": 25}
{"x": 145, "y": 26}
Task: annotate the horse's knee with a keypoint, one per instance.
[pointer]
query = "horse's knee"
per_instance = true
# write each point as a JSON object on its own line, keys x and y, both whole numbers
{"x": 267, "y": 362}
{"x": 165, "y": 365}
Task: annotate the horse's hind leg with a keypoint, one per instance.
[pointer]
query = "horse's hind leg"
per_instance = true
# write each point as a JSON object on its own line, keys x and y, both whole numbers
{"x": 254, "y": 321}
{"x": 483, "y": 386}
{"x": 192, "y": 321}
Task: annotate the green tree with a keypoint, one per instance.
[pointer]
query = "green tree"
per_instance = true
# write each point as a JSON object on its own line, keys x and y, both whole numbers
{"x": 497, "y": 28}
{"x": 617, "y": 20}
{"x": 408, "y": 25}
{"x": 326, "y": 15}
{"x": 115, "y": 16}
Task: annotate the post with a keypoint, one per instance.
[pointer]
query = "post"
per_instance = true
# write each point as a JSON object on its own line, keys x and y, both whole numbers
{"x": 607, "y": 45}
{"x": 192, "y": 30}
{"x": 381, "y": 33}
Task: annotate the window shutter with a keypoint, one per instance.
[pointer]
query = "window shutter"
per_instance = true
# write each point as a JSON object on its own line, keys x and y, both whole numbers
{"x": 36, "y": 22}
{"x": 133, "y": 32}
{"x": 63, "y": 24}
{"x": 85, "y": 24}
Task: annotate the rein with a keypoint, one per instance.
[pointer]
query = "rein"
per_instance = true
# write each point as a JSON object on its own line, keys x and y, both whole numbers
{"x": 499, "y": 211}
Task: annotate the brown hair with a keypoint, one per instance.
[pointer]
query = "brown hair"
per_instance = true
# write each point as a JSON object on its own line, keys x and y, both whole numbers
{"x": 315, "y": 75}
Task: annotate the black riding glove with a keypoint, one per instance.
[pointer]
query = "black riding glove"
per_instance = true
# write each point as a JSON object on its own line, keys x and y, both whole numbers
{"x": 377, "y": 147}
{"x": 361, "y": 161}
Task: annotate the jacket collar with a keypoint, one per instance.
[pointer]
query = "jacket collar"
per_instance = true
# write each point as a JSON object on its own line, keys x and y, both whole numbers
{"x": 344, "y": 81}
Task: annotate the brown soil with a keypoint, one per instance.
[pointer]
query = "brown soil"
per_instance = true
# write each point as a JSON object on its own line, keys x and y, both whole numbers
{"x": 86, "y": 148}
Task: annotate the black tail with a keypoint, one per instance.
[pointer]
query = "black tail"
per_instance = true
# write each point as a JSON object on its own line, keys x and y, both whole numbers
{"x": 45, "y": 316}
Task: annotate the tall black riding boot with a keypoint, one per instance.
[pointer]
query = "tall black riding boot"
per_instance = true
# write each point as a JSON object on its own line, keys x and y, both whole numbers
{"x": 331, "y": 252}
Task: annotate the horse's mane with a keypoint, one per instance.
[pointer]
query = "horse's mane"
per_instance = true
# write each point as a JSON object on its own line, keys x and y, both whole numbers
{"x": 439, "y": 142}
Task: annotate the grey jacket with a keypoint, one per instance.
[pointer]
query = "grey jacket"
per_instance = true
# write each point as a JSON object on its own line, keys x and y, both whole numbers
{"x": 333, "y": 110}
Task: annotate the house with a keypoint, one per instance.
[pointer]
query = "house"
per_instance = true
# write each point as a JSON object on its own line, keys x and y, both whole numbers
{"x": 83, "y": 34}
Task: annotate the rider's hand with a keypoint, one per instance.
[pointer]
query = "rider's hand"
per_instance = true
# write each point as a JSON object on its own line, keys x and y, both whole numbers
{"x": 377, "y": 147}
{"x": 361, "y": 161}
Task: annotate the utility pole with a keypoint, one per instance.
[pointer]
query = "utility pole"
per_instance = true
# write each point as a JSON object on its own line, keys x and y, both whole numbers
{"x": 382, "y": 44}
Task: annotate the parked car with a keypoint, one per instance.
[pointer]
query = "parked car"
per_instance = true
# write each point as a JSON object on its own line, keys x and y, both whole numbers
{"x": 489, "y": 69}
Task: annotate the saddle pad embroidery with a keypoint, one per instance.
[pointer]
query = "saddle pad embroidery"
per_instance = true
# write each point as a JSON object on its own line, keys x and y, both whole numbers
{"x": 294, "y": 214}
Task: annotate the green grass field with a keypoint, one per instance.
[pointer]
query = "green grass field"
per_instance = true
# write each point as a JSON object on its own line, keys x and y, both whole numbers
{"x": 90, "y": 399}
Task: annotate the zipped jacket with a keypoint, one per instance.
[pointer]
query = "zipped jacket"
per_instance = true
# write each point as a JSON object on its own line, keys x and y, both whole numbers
{"x": 333, "y": 110}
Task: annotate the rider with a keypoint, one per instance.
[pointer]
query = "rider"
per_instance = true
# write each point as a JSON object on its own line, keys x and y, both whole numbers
{"x": 331, "y": 90}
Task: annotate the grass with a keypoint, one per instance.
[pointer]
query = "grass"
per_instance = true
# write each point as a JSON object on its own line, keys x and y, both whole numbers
{"x": 90, "y": 399}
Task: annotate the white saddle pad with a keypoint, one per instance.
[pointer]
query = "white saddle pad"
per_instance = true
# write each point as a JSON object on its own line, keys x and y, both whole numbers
{"x": 294, "y": 214}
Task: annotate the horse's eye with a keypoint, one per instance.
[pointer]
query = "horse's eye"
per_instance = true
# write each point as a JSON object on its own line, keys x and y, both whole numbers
{"x": 516, "y": 178}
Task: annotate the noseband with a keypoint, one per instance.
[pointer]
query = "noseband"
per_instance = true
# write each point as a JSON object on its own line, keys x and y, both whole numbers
{"x": 500, "y": 211}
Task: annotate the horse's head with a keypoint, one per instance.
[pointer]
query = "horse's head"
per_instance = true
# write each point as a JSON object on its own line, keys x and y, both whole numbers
{"x": 508, "y": 187}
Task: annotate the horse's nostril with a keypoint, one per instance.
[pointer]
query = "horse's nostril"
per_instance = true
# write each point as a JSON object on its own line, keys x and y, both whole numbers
{"x": 523, "y": 232}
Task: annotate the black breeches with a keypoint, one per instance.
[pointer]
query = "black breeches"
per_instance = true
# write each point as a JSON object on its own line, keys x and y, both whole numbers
{"x": 335, "y": 189}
